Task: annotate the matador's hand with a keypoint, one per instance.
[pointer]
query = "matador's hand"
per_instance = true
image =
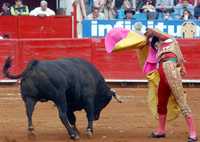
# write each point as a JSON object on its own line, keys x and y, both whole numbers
{"x": 183, "y": 71}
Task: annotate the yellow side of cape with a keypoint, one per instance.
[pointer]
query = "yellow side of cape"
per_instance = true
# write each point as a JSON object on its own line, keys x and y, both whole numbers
{"x": 172, "y": 107}
{"x": 134, "y": 41}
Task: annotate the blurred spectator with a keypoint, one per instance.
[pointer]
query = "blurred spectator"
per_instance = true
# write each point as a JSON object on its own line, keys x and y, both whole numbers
{"x": 100, "y": 3}
{"x": 127, "y": 4}
{"x": 193, "y": 2}
{"x": 69, "y": 7}
{"x": 108, "y": 9}
{"x": 118, "y": 4}
{"x": 129, "y": 14}
{"x": 196, "y": 2}
{"x": 164, "y": 4}
{"x": 121, "y": 6}
{"x": 181, "y": 6}
{"x": 186, "y": 15}
{"x": 134, "y": 4}
{"x": 120, "y": 13}
{"x": 19, "y": 8}
{"x": 61, "y": 11}
{"x": 88, "y": 5}
{"x": 176, "y": 2}
{"x": 140, "y": 15}
{"x": 43, "y": 10}
{"x": 197, "y": 11}
{"x": 96, "y": 14}
{"x": 167, "y": 15}
{"x": 140, "y": 4}
{"x": 5, "y": 9}
{"x": 150, "y": 10}
{"x": 81, "y": 9}
{"x": 149, "y": 7}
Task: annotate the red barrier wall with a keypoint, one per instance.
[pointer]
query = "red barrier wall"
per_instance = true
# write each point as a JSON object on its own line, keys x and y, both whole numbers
{"x": 8, "y": 25}
{"x": 120, "y": 65}
{"x": 36, "y": 27}
{"x": 191, "y": 52}
{"x": 124, "y": 64}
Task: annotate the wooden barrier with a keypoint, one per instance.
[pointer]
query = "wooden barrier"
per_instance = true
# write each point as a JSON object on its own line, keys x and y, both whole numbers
{"x": 116, "y": 66}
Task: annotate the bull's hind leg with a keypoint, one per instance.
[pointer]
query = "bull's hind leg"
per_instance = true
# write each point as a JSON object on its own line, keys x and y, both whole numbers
{"x": 62, "y": 108}
{"x": 30, "y": 105}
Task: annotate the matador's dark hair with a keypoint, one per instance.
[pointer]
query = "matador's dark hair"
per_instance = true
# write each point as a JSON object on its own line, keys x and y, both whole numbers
{"x": 153, "y": 41}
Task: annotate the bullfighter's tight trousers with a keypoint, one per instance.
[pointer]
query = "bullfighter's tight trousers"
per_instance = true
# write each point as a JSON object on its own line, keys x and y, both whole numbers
{"x": 171, "y": 83}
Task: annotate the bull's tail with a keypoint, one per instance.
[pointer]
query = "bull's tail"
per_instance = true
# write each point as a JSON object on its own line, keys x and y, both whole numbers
{"x": 8, "y": 64}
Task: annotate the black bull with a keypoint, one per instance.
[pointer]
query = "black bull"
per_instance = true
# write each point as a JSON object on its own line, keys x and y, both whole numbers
{"x": 72, "y": 84}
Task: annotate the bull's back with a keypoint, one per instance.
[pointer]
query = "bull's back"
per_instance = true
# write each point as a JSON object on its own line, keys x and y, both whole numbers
{"x": 72, "y": 73}
{"x": 45, "y": 77}
{"x": 101, "y": 85}
{"x": 83, "y": 64}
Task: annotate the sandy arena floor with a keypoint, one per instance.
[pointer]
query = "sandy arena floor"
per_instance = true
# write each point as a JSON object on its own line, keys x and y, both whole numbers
{"x": 127, "y": 122}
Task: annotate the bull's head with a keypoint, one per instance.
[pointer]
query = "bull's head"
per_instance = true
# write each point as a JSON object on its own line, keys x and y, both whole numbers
{"x": 101, "y": 101}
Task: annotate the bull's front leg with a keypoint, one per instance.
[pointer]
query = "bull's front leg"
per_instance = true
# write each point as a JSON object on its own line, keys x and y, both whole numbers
{"x": 62, "y": 108}
{"x": 90, "y": 117}
{"x": 72, "y": 119}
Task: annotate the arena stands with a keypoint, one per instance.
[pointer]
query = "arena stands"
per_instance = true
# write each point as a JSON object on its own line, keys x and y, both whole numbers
{"x": 153, "y": 9}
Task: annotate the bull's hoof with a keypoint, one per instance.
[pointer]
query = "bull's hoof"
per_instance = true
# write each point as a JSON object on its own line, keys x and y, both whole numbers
{"x": 75, "y": 137}
{"x": 76, "y": 130}
{"x": 89, "y": 132}
{"x": 73, "y": 134}
{"x": 30, "y": 128}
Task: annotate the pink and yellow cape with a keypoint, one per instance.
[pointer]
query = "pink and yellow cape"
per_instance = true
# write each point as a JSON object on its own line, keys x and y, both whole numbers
{"x": 123, "y": 39}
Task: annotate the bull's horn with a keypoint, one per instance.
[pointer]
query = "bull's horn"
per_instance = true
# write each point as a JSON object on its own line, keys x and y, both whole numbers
{"x": 117, "y": 98}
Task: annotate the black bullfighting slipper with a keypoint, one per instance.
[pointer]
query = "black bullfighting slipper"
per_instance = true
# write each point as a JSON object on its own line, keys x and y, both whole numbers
{"x": 157, "y": 135}
{"x": 192, "y": 139}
